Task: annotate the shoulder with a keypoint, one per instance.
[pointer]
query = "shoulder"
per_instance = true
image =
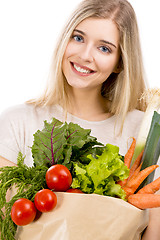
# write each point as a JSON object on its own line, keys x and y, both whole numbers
{"x": 14, "y": 110}
{"x": 16, "y": 117}
{"x": 17, "y": 112}
{"x": 24, "y": 110}
{"x": 24, "y": 115}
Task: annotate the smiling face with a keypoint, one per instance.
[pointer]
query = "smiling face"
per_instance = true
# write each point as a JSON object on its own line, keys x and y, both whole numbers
{"x": 92, "y": 54}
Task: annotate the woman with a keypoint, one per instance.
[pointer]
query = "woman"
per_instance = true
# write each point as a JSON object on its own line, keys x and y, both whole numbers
{"x": 96, "y": 81}
{"x": 116, "y": 94}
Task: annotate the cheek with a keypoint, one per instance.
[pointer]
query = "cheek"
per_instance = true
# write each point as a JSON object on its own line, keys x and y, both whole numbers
{"x": 107, "y": 64}
{"x": 70, "y": 50}
{"x": 66, "y": 55}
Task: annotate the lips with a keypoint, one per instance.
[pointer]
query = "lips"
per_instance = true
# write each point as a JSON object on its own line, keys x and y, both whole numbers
{"x": 82, "y": 70}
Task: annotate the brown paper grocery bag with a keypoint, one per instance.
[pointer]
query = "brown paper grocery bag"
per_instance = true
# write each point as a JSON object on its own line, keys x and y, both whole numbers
{"x": 87, "y": 217}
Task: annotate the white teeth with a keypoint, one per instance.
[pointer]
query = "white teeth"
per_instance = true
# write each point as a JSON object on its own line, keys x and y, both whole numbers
{"x": 81, "y": 69}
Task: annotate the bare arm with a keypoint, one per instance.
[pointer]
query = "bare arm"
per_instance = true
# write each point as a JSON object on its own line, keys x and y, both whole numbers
{"x": 5, "y": 162}
{"x": 153, "y": 230}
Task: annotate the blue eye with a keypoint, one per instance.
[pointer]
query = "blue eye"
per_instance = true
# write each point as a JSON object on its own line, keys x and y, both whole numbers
{"x": 78, "y": 38}
{"x": 105, "y": 49}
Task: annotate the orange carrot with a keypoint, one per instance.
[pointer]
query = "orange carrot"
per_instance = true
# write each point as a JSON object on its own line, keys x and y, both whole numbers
{"x": 129, "y": 190}
{"x": 136, "y": 181}
{"x": 128, "y": 156}
{"x": 127, "y": 159}
{"x": 144, "y": 201}
{"x": 135, "y": 164}
{"x": 151, "y": 187}
{"x": 135, "y": 174}
{"x": 122, "y": 183}
{"x": 131, "y": 186}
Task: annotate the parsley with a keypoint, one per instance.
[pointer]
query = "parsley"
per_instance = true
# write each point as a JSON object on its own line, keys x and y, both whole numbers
{"x": 27, "y": 181}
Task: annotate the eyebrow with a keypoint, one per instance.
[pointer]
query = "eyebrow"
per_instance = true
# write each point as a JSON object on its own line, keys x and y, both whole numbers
{"x": 103, "y": 41}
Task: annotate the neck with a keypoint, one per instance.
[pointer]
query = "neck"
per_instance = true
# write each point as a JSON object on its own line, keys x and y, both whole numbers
{"x": 88, "y": 105}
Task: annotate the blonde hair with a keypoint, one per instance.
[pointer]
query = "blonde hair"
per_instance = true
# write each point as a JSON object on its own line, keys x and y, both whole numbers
{"x": 123, "y": 89}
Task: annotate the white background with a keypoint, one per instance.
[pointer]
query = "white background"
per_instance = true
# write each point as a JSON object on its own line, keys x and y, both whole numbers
{"x": 28, "y": 31}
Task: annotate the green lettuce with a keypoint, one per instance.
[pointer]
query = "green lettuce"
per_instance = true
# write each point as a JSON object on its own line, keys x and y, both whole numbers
{"x": 95, "y": 168}
{"x": 102, "y": 173}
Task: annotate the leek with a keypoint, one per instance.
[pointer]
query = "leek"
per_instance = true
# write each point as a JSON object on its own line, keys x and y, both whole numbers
{"x": 149, "y": 134}
{"x": 152, "y": 99}
{"x": 152, "y": 147}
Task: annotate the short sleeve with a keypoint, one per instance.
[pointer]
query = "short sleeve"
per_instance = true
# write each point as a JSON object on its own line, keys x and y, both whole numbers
{"x": 9, "y": 145}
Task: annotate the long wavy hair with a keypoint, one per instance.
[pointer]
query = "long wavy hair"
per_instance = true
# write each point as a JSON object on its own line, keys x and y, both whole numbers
{"x": 122, "y": 89}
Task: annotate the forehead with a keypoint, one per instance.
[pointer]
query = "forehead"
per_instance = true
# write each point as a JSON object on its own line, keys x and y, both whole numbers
{"x": 103, "y": 29}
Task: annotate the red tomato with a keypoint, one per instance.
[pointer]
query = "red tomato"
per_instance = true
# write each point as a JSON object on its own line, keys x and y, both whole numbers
{"x": 58, "y": 178}
{"x": 23, "y": 212}
{"x": 74, "y": 190}
{"x": 45, "y": 200}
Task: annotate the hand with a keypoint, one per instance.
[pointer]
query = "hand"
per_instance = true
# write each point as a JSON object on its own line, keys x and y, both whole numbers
{"x": 152, "y": 232}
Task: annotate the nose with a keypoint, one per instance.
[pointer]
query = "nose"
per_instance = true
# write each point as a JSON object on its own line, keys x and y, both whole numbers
{"x": 86, "y": 53}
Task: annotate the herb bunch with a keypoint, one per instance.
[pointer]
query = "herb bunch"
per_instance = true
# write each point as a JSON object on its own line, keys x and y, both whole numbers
{"x": 27, "y": 181}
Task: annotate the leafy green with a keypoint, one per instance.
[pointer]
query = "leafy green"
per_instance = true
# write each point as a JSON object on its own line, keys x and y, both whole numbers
{"x": 102, "y": 173}
{"x": 63, "y": 143}
{"x": 96, "y": 167}
{"x": 27, "y": 181}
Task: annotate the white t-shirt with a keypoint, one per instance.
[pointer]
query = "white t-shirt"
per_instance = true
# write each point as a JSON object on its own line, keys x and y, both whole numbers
{"x": 18, "y": 124}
